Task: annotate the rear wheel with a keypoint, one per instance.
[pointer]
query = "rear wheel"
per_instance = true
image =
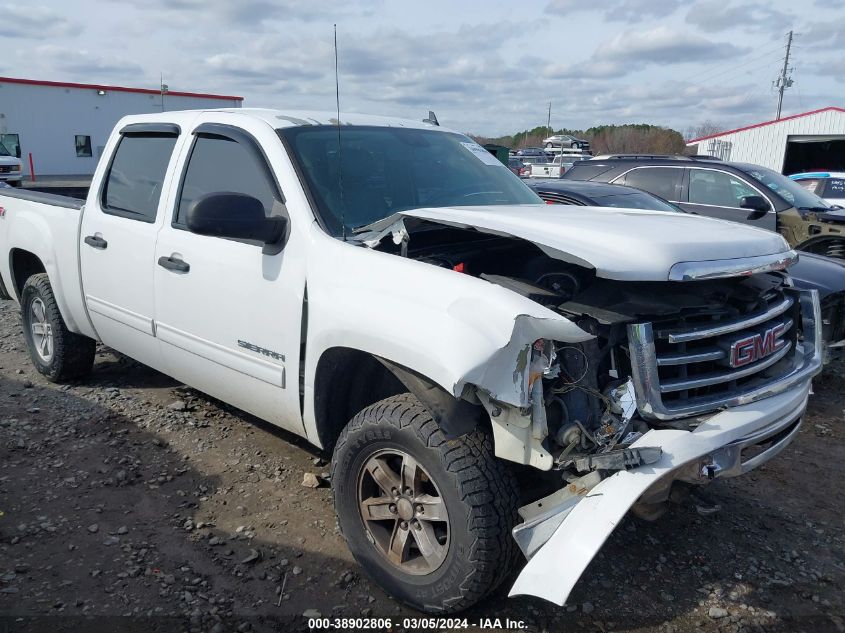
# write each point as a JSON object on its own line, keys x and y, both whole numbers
{"x": 55, "y": 351}
{"x": 429, "y": 519}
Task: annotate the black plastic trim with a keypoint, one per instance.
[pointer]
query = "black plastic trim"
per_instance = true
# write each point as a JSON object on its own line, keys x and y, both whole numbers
{"x": 454, "y": 416}
{"x": 151, "y": 128}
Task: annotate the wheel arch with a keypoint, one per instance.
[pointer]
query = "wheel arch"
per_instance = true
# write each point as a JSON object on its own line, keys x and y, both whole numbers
{"x": 348, "y": 380}
{"x": 23, "y": 264}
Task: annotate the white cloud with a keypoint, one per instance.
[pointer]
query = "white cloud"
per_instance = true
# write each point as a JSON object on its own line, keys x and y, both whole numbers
{"x": 715, "y": 16}
{"x": 35, "y": 22}
{"x": 488, "y": 71}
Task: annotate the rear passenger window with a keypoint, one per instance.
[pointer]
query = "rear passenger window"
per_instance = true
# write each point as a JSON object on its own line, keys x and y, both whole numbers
{"x": 136, "y": 174}
{"x": 810, "y": 184}
{"x": 219, "y": 164}
{"x": 661, "y": 181}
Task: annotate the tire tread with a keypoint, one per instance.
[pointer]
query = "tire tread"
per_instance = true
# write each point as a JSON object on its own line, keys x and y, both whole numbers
{"x": 73, "y": 354}
{"x": 485, "y": 485}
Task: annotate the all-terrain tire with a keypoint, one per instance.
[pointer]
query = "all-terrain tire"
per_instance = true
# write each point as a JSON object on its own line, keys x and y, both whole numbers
{"x": 71, "y": 355}
{"x": 478, "y": 489}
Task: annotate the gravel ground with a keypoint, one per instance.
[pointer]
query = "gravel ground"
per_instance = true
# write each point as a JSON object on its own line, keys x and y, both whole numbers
{"x": 131, "y": 503}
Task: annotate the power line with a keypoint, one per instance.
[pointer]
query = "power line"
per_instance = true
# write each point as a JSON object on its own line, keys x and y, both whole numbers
{"x": 739, "y": 73}
{"x": 706, "y": 76}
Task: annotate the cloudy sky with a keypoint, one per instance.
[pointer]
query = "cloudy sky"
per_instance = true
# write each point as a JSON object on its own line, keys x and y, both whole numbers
{"x": 488, "y": 67}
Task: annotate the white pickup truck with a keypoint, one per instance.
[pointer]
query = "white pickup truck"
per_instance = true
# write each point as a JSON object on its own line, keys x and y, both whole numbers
{"x": 559, "y": 165}
{"x": 390, "y": 291}
{"x": 10, "y": 168}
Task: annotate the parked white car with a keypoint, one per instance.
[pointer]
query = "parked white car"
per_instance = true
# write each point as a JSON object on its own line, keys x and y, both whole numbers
{"x": 393, "y": 293}
{"x": 828, "y": 185}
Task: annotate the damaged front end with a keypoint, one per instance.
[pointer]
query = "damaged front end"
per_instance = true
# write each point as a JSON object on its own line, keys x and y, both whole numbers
{"x": 626, "y": 390}
{"x": 681, "y": 383}
{"x": 713, "y": 384}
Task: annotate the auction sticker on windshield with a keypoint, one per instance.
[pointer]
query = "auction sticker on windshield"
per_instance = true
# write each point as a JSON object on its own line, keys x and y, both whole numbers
{"x": 482, "y": 154}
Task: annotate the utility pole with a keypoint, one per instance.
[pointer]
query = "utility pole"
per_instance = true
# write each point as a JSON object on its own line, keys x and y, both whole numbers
{"x": 549, "y": 120}
{"x": 783, "y": 82}
{"x": 164, "y": 90}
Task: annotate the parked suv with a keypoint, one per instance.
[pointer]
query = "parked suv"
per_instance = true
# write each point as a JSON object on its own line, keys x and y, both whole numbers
{"x": 741, "y": 192}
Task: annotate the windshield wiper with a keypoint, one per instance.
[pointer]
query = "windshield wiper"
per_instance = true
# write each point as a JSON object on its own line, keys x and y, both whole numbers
{"x": 815, "y": 208}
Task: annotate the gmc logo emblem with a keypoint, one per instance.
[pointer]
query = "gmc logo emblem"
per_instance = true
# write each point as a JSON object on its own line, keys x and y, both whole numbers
{"x": 757, "y": 346}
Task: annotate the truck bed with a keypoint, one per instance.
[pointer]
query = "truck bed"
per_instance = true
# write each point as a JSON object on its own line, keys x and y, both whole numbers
{"x": 46, "y": 227}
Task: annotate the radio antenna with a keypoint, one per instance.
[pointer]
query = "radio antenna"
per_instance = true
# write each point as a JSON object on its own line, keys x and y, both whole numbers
{"x": 339, "y": 149}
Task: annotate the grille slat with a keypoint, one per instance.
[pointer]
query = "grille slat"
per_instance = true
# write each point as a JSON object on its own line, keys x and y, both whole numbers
{"x": 685, "y": 358}
{"x": 684, "y": 335}
{"x": 780, "y": 343}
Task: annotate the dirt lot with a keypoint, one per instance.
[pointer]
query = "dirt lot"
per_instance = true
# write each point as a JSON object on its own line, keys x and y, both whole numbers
{"x": 130, "y": 503}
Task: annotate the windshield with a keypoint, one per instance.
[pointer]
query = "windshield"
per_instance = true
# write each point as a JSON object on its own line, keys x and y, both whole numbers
{"x": 787, "y": 189}
{"x": 390, "y": 169}
{"x": 638, "y": 200}
{"x": 4, "y": 151}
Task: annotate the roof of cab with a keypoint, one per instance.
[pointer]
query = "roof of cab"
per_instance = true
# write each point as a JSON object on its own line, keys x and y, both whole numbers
{"x": 291, "y": 118}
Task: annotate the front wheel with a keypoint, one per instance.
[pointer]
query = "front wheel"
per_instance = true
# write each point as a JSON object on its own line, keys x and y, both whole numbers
{"x": 429, "y": 519}
{"x": 56, "y": 352}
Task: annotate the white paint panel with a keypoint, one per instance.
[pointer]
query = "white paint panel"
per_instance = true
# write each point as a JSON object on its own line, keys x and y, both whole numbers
{"x": 766, "y": 145}
{"x": 264, "y": 370}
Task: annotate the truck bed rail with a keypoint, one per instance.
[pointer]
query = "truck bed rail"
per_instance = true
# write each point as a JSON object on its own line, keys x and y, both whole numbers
{"x": 46, "y": 198}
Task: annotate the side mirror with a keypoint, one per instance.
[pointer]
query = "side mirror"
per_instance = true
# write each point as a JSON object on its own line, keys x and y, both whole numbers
{"x": 17, "y": 151}
{"x": 234, "y": 215}
{"x": 755, "y": 203}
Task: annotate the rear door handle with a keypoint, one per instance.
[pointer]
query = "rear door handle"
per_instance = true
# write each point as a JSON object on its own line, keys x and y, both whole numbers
{"x": 96, "y": 242}
{"x": 176, "y": 265}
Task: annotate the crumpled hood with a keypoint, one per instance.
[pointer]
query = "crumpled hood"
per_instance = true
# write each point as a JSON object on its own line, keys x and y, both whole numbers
{"x": 623, "y": 244}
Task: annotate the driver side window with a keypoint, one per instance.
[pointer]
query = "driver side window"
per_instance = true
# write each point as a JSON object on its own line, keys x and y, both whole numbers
{"x": 218, "y": 164}
{"x": 718, "y": 189}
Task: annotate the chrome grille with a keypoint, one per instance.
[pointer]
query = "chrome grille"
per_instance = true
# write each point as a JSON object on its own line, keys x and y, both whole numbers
{"x": 701, "y": 363}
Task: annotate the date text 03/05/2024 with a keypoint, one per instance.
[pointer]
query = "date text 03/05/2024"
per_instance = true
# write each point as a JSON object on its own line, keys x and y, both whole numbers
{"x": 415, "y": 624}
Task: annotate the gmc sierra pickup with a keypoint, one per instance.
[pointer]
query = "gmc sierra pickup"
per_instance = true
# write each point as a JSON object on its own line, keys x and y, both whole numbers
{"x": 393, "y": 293}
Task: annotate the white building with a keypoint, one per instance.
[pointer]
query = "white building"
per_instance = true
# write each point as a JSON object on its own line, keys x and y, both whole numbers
{"x": 808, "y": 141}
{"x": 65, "y": 125}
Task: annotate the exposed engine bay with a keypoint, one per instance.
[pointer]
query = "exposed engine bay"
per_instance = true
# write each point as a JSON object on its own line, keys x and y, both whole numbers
{"x": 583, "y": 406}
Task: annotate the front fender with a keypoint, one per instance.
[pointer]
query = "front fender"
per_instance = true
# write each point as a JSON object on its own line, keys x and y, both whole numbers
{"x": 455, "y": 329}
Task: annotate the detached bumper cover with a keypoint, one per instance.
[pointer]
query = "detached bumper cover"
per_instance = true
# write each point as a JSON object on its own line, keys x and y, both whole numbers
{"x": 714, "y": 449}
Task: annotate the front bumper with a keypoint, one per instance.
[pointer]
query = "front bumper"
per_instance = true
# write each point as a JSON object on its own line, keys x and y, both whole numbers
{"x": 729, "y": 443}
